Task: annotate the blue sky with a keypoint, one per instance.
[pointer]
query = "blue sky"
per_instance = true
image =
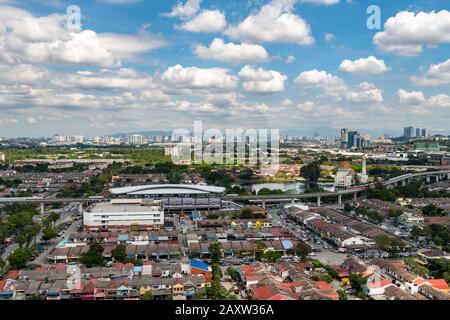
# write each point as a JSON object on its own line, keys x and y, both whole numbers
{"x": 297, "y": 65}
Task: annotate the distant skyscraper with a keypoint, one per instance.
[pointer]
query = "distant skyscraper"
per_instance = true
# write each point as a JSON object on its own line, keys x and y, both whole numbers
{"x": 425, "y": 133}
{"x": 344, "y": 139}
{"x": 418, "y": 132}
{"x": 352, "y": 136}
{"x": 408, "y": 132}
{"x": 78, "y": 138}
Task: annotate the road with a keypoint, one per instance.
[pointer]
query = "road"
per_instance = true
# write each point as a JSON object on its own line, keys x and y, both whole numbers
{"x": 65, "y": 216}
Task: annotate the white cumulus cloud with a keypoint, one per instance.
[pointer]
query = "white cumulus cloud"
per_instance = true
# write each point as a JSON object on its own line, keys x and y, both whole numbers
{"x": 436, "y": 75}
{"x": 198, "y": 78}
{"x": 186, "y": 10}
{"x": 275, "y": 22}
{"x": 206, "y": 21}
{"x": 364, "y": 66}
{"x": 413, "y": 97}
{"x": 407, "y": 33}
{"x": 230, "y": 52}
{"x": 261, "y": 80}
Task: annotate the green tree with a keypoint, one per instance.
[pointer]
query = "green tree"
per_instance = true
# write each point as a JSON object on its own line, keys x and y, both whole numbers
{"x": 247, "y": 174}
{"x": 375, "y": 217}
{"x": 417, "y": 231}
{"x": 342, "y": 294}
{"x": 18, "y": 258}
{"x": 246, "y": 213}
{"x": 2, "y": 264}
{"x": 394, "y": 213}
{"x": 432, "y": 211}
{"x": 440, "y": 268}
{"x": 35, "y": 296}
{"x": 216, "y": 272}
{"x": 332, "y": 272}
{"x": 439, "y": 234}
{"x": 232, "y": 272}
{"x": 302, "y": 250}
{"x": 357, "y": 282}
{"x": 93, "y": 258}
{"x": 272, "y": 256}
{"x": 49, "y": 233}
{"x": 311, "y": 172}
{"x": 119, "y": 253}
{"x": 147, "y": 296}
{"x": 348, "y": 207}
{"x": 215, "y": 250}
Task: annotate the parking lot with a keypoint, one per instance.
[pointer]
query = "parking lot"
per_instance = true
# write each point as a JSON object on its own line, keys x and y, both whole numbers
{"x": 322, "y": 251}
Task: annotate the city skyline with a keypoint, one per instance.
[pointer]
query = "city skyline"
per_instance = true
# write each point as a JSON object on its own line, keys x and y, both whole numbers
{"x": 292, "y": 65}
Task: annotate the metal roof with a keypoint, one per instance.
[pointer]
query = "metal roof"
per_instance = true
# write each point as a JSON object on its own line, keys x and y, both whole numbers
{"x": 164, "y": 189}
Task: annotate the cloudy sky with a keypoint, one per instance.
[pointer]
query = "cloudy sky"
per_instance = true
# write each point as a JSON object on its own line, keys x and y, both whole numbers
{"x": 297, "y": 65}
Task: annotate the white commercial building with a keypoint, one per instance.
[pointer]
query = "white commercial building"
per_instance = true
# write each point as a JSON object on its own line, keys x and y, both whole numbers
{"x": 78, "y": 138}
{"x": 137, "y": 139}
{"x": 120, "y": 213}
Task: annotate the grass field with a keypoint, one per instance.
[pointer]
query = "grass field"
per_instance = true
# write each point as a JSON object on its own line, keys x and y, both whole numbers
{"x": 139, "y": 156}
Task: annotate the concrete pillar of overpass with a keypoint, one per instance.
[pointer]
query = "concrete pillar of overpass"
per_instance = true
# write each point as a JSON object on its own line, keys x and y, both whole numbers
{"x": 292, "y": 201}
{"x": 318, "y": 201}
{"x": 355, "y": 196}
{"x": 437, "y": 178}
{"x": 80, "y": 208}
{"x": 340, "y": 199}
{"x": 403, "y": 183}
{"x": 448, "y": 176}
{"x": 264, "y": 204}
{"x": 428, "y": 179}
{"x": 42, "y": 208}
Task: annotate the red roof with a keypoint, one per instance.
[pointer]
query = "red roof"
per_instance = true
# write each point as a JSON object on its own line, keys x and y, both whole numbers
{"x": 264, "y": 293}
{"x": 280, "y": 297}
{"x": 439, "y": 284}
{"x": 2, "y": 284}
{"x": 321, "y": 224}
{"x": 323, "y": 285}
{"x": 379, "y": 284}
{"x": 58, "y": 267}
{"x": 118, "y": 265}
{"x": 40, "y": 269}
{"x": 247, "y": 269}
{"x": 304, "y": 265}
{"x": 14, "y": 274}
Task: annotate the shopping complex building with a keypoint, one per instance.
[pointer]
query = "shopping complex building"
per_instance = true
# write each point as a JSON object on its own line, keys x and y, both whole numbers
{"x": 175, "y": 197}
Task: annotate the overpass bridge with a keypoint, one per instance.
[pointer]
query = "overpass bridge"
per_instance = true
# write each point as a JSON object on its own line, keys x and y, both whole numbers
{"x": 428, "y": 177}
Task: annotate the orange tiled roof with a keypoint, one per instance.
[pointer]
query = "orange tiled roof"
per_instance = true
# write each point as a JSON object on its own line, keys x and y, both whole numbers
{"x": 439, "y": 284}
